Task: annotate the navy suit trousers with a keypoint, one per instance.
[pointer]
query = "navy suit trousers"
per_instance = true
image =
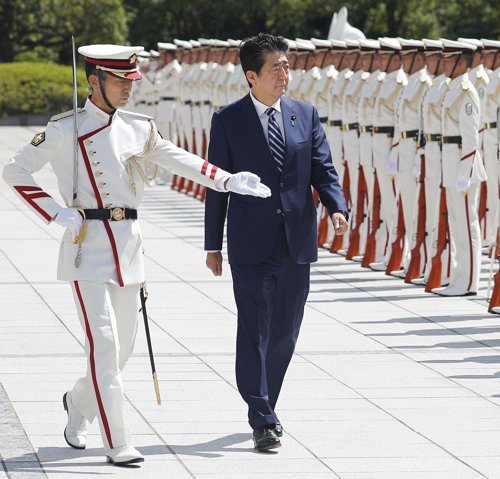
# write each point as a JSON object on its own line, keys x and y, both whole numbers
{"x": 270, "y": 297}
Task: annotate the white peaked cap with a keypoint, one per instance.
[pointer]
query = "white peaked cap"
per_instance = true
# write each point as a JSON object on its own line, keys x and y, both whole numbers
{"x": 368, "y": 44}
{"x": 166, "y": 46}
{"x": 390, "y": 43}
{"x": 433, "y": 44}
{"x": 319, "y": 43}
{"x": 119, "y": 60}
{"x": 473, "y": 41}
{"x": 455, "y": 45}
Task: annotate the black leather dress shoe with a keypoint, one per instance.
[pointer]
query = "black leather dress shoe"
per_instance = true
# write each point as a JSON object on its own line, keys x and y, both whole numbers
{"x": 278, "y": 429}
{"x": 265, "y": 438}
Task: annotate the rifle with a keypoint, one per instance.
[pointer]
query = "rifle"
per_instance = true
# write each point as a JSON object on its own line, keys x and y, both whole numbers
{"x": 371, "y": 242}
{"x": 495, "y": 295}
{"x": 434, "y": 280}
{"x": 481, "y": 213}
{"x": 415, "y": 266}
{"x": 338, "y": 240}
{"x": 354, "y": 235}
{"x": 394, "y": 263}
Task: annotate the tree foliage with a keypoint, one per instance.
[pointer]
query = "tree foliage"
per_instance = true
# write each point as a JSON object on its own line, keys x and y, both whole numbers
{"x": 41, "y": 29}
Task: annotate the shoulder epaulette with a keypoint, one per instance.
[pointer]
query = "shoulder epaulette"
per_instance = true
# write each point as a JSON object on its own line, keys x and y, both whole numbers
{"x": 135, "y": 115}
{"x": 60, "y": 116}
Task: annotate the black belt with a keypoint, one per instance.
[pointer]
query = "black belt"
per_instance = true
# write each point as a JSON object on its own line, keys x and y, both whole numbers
{"x": 335, "y": 123}
{"x": 113, "y": 214}
{"x": 167, "y": 98}
{"x": 323, "y": 119}
{"x": 456, "y": 140}
{"x": 433, "y": 137}
{"x": 205, "y": 102}
{"x": 409, "y": 134}
{"x": 350, "y": 126}
{"x": 141, "y": 102}
{"x": 388, "y": 130}
{"x": 366, "y": 129}
{"x": 491, "y": 124}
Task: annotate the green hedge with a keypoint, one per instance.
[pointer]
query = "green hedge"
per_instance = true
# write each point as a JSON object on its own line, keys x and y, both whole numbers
{"x": 38, "y": 88}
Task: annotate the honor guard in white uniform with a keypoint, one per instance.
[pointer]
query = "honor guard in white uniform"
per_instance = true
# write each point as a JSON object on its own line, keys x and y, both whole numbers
{"x": 382, "y": 140}
{"x": 346, "y": 56}
{"x": 462, "y": 170}
{"x": 311, "y": 75}
{"x": 234, "y": 80}
{"x": 299, "y": 68}
{"x": 491, "y": 104}
{"x": 165, "y": 84}
{"x": 479, "y": 77}
{"x": 407, "y": 135}
{"x": 429, "y": 174}
{"x": 102, "y": 189}
{"x": 366, "y": 105}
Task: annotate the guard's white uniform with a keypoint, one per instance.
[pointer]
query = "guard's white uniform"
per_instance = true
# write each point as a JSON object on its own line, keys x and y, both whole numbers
{"x": 407, "y": 129}
{"x": 105, "y": 285}
{"x": 350, "y": 138}
{"x": 366, "y": 105}
{"x": 463, "y": 170}
{"x": 166, "y": 87}
{"x": 431, "y": 118}
{"x": 490, "y": 149}
{"x": 383, "y": 122}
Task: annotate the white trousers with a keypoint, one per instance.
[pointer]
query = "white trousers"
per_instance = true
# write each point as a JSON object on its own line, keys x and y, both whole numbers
{"x": 466, "y": 237}
{"x": 108, "y": 315}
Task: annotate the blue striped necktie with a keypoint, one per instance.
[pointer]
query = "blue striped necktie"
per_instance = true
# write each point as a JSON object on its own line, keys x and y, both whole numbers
{"x": 275, "y": 138}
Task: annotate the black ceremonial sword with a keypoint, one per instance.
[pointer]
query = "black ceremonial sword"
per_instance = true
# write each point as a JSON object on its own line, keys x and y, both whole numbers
{"x": 144, "y": 297}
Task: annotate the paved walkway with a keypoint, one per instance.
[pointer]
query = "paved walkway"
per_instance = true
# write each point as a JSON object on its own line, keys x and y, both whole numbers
{"x": 388, "y": 382}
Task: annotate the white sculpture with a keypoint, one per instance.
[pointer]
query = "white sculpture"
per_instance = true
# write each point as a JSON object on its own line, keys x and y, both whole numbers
{"x": 340, "y": 28}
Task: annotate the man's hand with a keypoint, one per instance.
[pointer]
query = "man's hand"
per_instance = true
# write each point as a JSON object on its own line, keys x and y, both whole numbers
{"x": 340, "y": 224}
{"x": 246, "y": 183}
{"x": 214, "y": 263}
{"x": 69, "y": 218}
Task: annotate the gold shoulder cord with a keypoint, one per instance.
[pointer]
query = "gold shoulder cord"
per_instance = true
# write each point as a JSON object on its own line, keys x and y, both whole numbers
{"x": 134, "y": 161}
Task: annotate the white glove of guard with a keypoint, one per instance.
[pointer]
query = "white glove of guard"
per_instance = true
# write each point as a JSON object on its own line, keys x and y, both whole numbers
{"x": 416, "y": 170}
{"x": 392, "y": 167}
{"x": 246, "y": 183}
{"x": 462, "y": 184}
{"x": 69, "y": 218}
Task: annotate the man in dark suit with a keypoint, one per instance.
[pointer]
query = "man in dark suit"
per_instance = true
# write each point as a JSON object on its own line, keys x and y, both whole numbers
{"x": 271, "y": 242}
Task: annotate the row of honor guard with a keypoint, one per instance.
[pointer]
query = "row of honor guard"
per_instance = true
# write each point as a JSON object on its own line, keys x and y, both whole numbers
{"x": 412, "y": 126}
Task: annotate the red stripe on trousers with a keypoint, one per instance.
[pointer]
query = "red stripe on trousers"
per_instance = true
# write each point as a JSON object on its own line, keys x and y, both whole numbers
{"x": 92, "y": 367}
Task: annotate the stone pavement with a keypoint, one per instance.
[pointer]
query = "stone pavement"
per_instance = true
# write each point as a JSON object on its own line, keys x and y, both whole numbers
{"x": 388, "y": 382}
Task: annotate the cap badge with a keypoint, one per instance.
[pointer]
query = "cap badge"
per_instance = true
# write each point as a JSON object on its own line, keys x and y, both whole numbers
{"x": 133, "y": 59}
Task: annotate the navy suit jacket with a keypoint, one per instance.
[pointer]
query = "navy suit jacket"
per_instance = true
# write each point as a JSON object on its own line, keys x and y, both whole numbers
{"x": 238, "y": 143}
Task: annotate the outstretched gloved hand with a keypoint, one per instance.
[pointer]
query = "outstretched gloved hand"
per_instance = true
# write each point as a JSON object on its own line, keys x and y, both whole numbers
{"x": 246, "y": 183}
{"x": 69, "y": 218}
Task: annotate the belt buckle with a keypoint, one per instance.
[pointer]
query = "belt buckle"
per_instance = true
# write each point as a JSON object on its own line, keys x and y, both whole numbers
{"x": 117, "y": 214}
{"x": 404, "y": 135}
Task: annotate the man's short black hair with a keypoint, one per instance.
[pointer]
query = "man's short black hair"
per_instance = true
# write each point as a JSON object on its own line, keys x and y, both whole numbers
{"x": 254, "y": 50}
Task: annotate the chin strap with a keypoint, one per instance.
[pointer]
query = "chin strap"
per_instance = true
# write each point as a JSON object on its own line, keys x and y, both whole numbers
{"x": 455, "y": 66}
{"x": 100, "y": 76}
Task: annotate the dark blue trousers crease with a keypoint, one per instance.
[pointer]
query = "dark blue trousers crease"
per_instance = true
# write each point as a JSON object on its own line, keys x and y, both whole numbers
{"x": 270, "y": 298}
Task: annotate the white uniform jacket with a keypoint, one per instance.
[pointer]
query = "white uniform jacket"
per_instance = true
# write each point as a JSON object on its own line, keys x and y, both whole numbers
{"x": 108, "y": 177}
{"x": 460, "y": 117}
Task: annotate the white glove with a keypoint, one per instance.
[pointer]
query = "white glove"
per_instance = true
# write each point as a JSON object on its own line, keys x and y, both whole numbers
{"x": 69, "y": 218}
{"x": 416, "y": 170}
{"x": 392, "y": 167}
{"x": 246, "y": 183}
{"x": 462, "y": 184}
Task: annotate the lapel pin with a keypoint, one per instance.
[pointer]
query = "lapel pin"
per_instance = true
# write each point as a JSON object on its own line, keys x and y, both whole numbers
{"x": 292, "y": 120}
